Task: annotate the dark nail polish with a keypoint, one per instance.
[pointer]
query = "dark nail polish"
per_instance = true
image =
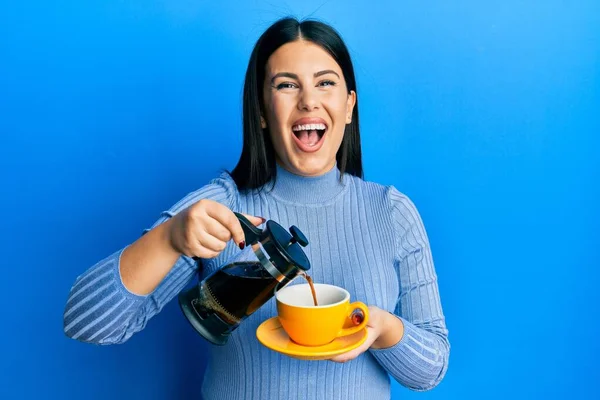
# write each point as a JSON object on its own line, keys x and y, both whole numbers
{"x": 263, "y": 220}
{"x": 242, "y": 244}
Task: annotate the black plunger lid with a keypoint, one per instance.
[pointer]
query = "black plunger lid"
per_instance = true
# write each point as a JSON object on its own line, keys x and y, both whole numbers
{"x": 288, "y": 245}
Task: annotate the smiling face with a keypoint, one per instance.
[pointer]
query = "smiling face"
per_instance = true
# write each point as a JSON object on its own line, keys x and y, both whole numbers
{"x": 307, "y": 107}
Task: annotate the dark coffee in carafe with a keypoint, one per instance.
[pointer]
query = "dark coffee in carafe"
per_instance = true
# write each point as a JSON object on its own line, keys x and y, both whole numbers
{"x": 228, "y": 290}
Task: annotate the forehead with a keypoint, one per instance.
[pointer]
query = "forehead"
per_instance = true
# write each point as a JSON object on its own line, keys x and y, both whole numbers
{"x": 301, "y": 57}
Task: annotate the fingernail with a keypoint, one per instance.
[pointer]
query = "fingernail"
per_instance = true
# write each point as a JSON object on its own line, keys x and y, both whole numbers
{"x": 263, "y": 220}
{"x": 242, "y": 244}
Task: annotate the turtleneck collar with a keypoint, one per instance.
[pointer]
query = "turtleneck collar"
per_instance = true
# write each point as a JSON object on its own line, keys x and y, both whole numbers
{"x": 307, "y": 189}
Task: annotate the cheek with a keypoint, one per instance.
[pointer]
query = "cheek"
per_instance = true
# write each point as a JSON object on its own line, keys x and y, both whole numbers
{"x": 276, "y": 119}
{"x": 337, "y": 103}
{"x": 280, "y": 108}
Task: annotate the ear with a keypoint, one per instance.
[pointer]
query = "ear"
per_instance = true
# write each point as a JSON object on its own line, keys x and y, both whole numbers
{"x": 263, "y": 123}
{"x": 350, "y": 103}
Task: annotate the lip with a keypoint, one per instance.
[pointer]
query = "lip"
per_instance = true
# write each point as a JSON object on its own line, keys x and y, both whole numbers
{"x": 310, "y": 120}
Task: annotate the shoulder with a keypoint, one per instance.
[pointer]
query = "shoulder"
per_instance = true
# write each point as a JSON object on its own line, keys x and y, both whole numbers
{"x": 398, "y": 204}
{"x": 392, "y": 197}
{"x": 403, "y": 208}
{"x": 367, "y": 189}
{"x": 222, "y": 189}
{"x": 407, "y": 222}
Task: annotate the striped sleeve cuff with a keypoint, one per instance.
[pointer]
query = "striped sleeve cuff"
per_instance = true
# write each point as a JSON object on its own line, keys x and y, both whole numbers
{"x": 99, "y": 304}
{"x": 418, "y": 361}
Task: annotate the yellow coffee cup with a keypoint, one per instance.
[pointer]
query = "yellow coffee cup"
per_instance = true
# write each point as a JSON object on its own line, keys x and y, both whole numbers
{"x": 310, "y": 325}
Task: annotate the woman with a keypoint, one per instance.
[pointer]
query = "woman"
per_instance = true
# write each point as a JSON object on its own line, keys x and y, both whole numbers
{"x": 300, "y": 165}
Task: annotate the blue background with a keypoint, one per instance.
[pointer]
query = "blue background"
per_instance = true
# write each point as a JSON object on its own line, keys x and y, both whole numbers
{"x": 485, "y": 113}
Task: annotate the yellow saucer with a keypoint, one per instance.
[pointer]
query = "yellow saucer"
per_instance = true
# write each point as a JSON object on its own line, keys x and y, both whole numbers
{"x": 271, "y": 334}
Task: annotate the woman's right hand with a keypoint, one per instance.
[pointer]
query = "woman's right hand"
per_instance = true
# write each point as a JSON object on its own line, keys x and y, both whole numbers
{"x": 204, "y": 228}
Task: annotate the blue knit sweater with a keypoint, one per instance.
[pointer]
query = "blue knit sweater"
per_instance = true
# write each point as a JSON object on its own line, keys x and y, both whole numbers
{"x": 365, "y": 237}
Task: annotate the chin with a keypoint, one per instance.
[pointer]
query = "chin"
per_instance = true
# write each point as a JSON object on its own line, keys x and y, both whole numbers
{"x": 312, "y": 167}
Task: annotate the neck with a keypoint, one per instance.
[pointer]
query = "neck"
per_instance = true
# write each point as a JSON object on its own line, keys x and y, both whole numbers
{"x": 307, "y": 189}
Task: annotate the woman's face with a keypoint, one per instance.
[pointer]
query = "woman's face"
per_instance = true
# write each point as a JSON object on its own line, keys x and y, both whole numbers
{"x": 307, "y": 107}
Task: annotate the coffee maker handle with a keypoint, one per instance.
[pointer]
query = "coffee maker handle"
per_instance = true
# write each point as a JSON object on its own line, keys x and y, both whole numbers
{"x": 251, "y": 232}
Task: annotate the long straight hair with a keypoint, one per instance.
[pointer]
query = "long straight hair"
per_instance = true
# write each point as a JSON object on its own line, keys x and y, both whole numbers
{"x": 257, "y": 164}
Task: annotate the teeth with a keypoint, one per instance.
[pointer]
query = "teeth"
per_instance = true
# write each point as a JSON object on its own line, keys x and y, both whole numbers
{"x": 309, "y": 127}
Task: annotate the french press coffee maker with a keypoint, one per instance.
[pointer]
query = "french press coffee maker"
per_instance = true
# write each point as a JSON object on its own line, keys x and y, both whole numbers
{"x": 271, "y": 259}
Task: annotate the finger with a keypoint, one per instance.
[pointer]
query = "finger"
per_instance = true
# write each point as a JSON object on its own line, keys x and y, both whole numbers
{"x": 254, "y": 219}
{"x": 227, "y": 218}
{"x": 352, "y": 354}
{"x": 339, "y": 359}
{"x": 203, "y": 252}
{"x": 193, "y": 245}
{"x": 216, "y": 229}
{"x": 210, "y": 242}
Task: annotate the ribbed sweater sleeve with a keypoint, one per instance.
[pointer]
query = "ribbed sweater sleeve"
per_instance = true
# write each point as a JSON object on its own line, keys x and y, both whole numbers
{"x": 99, "y": 307}
{"x": 420, "y": 359}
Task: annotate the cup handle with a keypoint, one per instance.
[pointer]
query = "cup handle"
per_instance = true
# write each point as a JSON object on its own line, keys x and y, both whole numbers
{"x": 356, "y": 307}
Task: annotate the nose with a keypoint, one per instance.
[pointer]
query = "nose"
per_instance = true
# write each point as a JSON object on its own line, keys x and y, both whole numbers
{"x": 308, "y": 101}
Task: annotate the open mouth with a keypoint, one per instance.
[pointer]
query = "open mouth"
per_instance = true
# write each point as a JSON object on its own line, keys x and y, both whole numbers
{"x": 309, "y": 136}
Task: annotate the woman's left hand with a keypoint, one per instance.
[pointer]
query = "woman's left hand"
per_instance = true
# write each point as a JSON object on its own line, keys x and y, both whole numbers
{"x": 382, "y": 332}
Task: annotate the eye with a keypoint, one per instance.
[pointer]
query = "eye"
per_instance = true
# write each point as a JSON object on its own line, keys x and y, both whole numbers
{"x": 285, "y": 85}
{"x": 327, "y": 83}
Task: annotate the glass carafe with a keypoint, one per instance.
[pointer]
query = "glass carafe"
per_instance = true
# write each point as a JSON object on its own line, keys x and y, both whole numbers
{"x": 221, "y": 301}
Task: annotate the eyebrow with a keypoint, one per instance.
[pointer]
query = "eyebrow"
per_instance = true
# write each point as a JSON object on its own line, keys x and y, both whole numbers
{"x": 294, "y": 76}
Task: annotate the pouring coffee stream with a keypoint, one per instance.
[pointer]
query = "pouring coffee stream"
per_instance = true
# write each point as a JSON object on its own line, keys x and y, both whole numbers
{"x": 312, "y": 287}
